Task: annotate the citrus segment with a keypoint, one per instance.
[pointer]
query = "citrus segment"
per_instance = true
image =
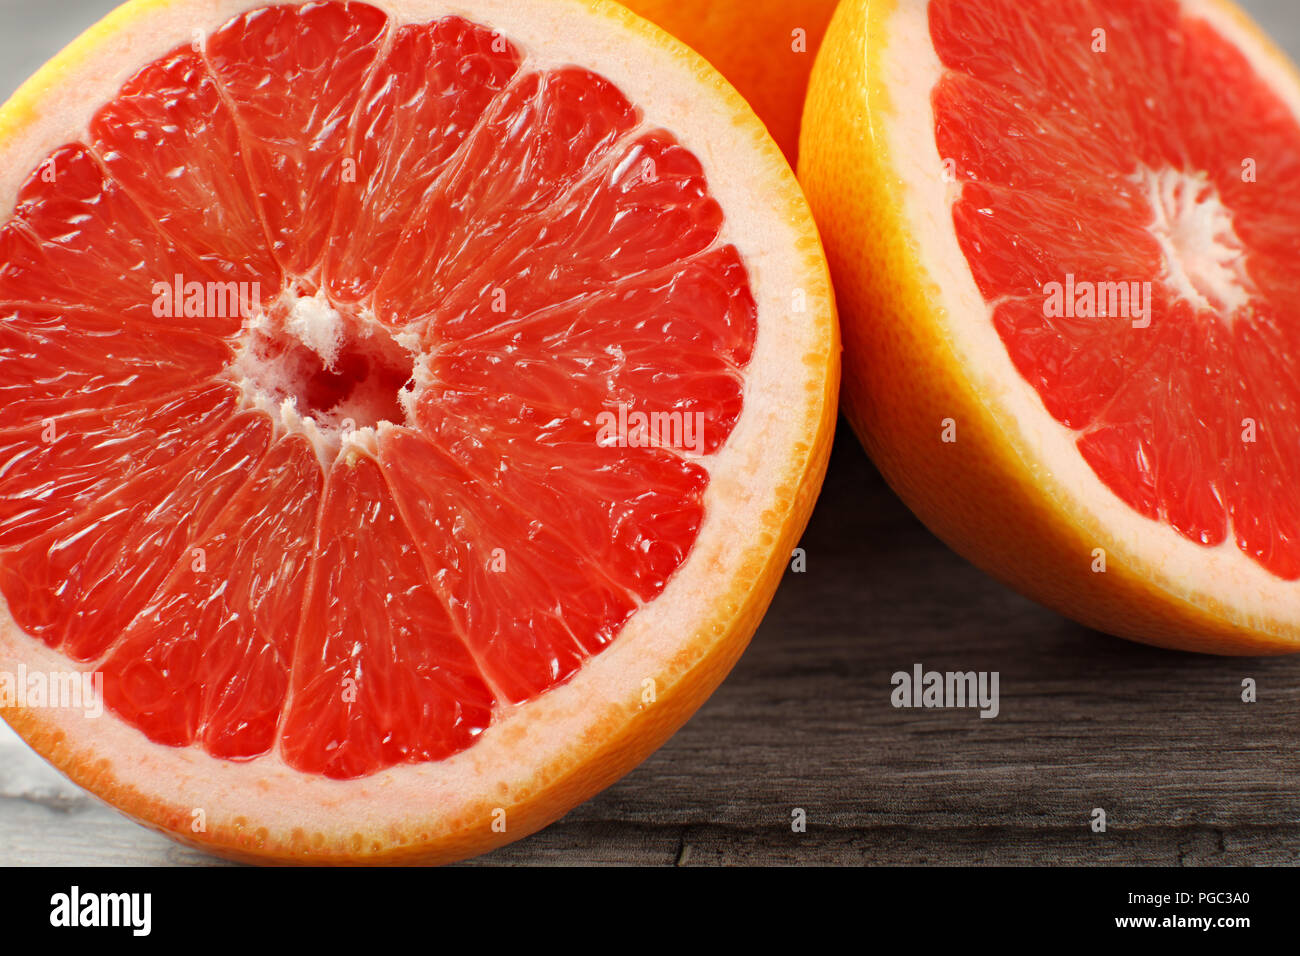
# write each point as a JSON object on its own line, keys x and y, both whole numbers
{"x": 57, "y": 468}
{"x": 416, "y": 693}
{"x": 647, "y": 210}
{"x": 568, "y": 358}
{"x": 79, "y": 585}
{"x": 435, "y": 82}
{"x": 153, "y": 139}
{"x": 208, "y": 660}
{"x": 294, "y": 77}
{"x": 528, "y": 620}
{"x": 59, "y": 362}
{"x": 542, "y": 135}
{"x": 78, "y": 240}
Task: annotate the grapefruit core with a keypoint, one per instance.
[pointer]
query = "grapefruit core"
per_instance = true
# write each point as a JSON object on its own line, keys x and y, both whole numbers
{"x": 1064, "y": 237}
{"x": 408, "y": 411}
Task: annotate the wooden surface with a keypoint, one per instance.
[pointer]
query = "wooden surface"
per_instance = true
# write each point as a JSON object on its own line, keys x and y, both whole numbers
{"x": 1186, "y": 772}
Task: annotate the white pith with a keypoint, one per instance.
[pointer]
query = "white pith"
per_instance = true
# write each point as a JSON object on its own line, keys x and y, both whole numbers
{"x": 749, "y": 476}
{"x": 316, "y": 324}
{"x": 269, "y": 382}
{"x": 1219, "y": 577}
{"x": 1205, "y": 261}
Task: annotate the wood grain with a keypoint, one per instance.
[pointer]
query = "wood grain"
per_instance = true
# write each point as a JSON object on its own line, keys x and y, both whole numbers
{"x": 1186, "y": 772}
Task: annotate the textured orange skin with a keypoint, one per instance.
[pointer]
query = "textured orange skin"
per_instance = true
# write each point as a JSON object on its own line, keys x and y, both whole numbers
{"x": 749, "y": 41}
{"x": 901, "y": 380}
{"x": 625, "y": 735}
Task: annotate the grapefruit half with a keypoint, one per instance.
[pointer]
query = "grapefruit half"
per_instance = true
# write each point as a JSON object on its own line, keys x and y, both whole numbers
{"x": 408, "y": 411}
{"x": 1065, "y": 239}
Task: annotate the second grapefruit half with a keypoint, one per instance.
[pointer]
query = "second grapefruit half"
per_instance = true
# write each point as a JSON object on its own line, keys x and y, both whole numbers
{"x": 1065, "y": 239}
